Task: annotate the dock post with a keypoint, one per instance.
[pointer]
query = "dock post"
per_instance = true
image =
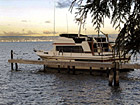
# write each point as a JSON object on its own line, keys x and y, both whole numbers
{"x": 68, "y": 69}
{"x": 58, "y": 68}
{"x": 107, "y": 71}
{"x": 73, "y": 69}
{"x": 44, "y": 66}
{"x": 116, "y": 74}
{"x": 16, "y": 66}
{"x": 116, "y": 82}
{"x": 90, "y": 70}
{"x": 12, "y": 58}
{"x": 110, "y": 77}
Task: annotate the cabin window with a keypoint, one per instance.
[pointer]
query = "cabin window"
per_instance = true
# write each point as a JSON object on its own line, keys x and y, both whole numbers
{"x": 74, "y": 49}
{"x": 79, "y": 40}
{"x": 102, "y": 39}
{"x": 105, "y": 47}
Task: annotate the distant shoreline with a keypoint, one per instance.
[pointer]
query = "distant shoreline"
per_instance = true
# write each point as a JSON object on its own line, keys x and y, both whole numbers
{"x": 38, "y": 38}
{"x": 27, "y": 38}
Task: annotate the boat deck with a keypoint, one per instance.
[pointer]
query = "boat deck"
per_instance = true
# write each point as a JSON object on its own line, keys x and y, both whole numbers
{"x": 77, "y": 63}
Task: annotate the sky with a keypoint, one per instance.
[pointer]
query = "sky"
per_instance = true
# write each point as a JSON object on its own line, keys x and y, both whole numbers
{"x": 36, "y": 17}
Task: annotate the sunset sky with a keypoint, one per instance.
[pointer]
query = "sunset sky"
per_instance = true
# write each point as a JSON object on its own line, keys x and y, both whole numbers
{"x": 28, "y": 17}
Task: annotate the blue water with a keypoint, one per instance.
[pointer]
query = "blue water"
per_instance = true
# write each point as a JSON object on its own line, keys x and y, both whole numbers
{"x": 31, "y": 87}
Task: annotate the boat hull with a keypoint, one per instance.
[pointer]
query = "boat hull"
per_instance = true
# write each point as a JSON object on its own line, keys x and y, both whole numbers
{"x": 82, "y": 59}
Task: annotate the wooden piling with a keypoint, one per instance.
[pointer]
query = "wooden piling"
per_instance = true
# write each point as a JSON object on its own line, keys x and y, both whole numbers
{"x": 116, "y": 83}
{"x": 12, "y": 58}
{"x": 44, "y": 66}
{"x": 16, "y": 66}
{"x": 90, "y": 70}
{"x": 58, "y": 68}
{"x": 116, "y": 74}
{"x": 68, "y": 69}
{"x": 110, "y": 77}
{"x": 73, "y": 69}
{"x": 107, "y": 72}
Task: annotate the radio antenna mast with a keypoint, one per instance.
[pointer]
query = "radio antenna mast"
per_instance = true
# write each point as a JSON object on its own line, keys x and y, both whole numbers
{"x": 80, "y": 24}
{"x": 67, "y": 23}
{"x": 54, "y": 20}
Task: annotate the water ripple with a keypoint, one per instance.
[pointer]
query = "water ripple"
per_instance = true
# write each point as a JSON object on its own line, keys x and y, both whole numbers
{"x": 30, "y": 87}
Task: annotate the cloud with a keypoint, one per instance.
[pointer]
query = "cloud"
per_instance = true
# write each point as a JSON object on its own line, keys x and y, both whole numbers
{"x": 47, "y": 21}
{"x": 24, "y": 21}
{"x": 64, "y": 3}
{"x": 29, "y": 32}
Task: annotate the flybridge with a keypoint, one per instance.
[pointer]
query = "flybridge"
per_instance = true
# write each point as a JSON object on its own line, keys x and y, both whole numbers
{"x": 89, "y": 38}
{"x": 72, "y": 35}
{"x": 76, "y": 38}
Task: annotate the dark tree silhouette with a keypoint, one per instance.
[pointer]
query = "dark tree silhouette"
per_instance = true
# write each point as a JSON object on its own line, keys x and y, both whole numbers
{"x": 126, "y": 12}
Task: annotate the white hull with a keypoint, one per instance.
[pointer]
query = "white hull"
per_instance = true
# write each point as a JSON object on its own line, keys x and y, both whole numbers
{"x": 81, "y": 57}
{"x": 74, "y": 58}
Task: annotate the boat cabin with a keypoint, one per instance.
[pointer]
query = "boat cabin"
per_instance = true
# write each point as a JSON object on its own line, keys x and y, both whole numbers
{"x": 71, "y": 43}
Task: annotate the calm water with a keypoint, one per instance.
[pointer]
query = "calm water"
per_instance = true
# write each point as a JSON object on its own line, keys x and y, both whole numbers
{"x": 31, "y": 87}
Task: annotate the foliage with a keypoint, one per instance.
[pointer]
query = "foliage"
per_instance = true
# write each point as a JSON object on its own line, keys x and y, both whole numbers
{"x": 120, "y": 12}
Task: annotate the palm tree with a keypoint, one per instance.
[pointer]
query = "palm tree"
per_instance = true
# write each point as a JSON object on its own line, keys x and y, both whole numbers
{"x": 126, "y": 12}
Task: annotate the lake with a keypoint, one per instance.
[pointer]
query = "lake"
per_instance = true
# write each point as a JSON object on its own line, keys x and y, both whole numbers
{"x": 29, "y": 86}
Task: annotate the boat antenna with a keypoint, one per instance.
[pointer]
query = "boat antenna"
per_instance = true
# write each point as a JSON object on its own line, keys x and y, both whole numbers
{"x": 85, "y": 29}
{"x": 54, "y": 20}
{"x": 80, "y": 21}
{"x": 67, "y": 23}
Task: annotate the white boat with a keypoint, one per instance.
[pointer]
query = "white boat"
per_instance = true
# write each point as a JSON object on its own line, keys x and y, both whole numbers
{"x": 74, "y": 47}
